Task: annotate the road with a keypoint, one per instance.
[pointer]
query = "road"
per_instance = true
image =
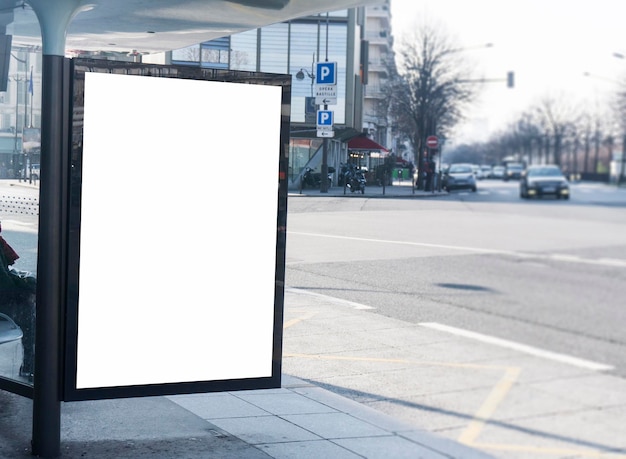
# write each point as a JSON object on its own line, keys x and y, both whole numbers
{"x": 546, "y": 273}
{"x": 493, "y": 321}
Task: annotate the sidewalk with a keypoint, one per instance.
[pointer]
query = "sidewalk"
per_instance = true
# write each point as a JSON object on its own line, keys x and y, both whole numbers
{"x": 402, "y": 189}
{"x": 398, "y": 390}
{"x": 299, "y": 420}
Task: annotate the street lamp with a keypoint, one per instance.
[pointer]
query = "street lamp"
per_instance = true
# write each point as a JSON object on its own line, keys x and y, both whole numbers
{"x": 301, "y": 74}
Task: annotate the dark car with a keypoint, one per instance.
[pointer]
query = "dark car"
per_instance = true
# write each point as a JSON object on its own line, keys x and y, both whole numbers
{"x": 459, "y": 176}
{"x": 513, "y": 171}
{"x": 546, "y": 180}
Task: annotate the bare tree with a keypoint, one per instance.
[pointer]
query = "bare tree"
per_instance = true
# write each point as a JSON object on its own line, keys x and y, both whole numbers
{"x": 557, "y": 117}
{"x": 432, "y": 90}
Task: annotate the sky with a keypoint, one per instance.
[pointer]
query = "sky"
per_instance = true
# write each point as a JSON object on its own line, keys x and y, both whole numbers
{"x": 549, "y": 44}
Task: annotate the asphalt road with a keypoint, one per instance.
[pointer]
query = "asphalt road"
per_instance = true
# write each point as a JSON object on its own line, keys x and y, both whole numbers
{"x": 549, "y": 274}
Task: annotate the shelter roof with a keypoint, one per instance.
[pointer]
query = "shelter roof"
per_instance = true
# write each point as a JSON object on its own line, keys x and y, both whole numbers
{"x": 160, "y": 25}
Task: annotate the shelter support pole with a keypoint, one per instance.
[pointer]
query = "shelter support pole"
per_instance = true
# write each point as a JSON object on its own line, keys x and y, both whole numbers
{"x": 54, "y": 17}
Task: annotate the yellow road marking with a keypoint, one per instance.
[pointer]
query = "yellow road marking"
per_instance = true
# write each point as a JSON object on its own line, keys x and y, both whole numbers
{"x": 561, "y": 452}
{"x": 482, "y": 416}
{"x": 485, "y": 412}
{"x": 472, "y": 366}
{"x": 293, "y": 322}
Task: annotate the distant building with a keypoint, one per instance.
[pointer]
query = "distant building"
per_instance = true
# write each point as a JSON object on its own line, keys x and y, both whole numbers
{"x": 359, "y": 40}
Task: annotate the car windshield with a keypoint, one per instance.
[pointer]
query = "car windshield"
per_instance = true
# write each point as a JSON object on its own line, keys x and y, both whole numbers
{"x": 545, "y": 172}
{"x": 514, "y": 167}
{"x": 460, "y": 169}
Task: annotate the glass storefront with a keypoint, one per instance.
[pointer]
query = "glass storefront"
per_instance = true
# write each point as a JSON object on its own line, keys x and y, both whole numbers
{"x": 20, "y": 141}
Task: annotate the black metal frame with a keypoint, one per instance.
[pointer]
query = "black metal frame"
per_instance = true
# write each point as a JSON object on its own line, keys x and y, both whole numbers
{"x": 80, "y": 67}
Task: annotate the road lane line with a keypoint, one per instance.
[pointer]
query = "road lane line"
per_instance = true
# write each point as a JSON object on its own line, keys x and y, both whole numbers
{"x": 617, "y": 263}
{"x": 416, "y": 244}
{"x": 330, "y": 299}
{"x": 537, "y": 352}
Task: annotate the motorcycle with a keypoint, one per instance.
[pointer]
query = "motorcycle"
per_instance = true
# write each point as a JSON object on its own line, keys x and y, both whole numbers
{"x": 313, "y": 179}
{"x": 354, "y": 180}
{"x": 310, "y": 179}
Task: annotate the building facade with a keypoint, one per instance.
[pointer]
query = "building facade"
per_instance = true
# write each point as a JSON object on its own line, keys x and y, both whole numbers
{"x": 381, "y": 65}
{"x": 294, "y": 48}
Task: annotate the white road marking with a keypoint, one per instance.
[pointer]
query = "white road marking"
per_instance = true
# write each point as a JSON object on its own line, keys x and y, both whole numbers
{"x": 331, "y": 299}
{"x": 537, "y": 352}
{"x": 554, "y": 257}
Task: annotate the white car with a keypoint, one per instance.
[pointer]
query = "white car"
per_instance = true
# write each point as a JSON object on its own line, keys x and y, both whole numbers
{"x": 33, "y": 172}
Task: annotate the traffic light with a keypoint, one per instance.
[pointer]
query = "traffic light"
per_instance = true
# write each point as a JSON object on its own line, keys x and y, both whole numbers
{"x": 510, "y": 79}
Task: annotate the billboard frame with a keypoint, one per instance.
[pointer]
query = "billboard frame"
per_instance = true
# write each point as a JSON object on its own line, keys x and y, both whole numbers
{"x": 79, "y": 68}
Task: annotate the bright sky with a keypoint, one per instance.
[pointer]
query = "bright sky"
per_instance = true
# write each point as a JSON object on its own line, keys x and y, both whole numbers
{"x": 549, "y": 44}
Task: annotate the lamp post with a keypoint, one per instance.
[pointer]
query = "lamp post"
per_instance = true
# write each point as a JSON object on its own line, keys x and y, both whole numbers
{"x": 622, "y": 168}
{"x": 302, "y": 73}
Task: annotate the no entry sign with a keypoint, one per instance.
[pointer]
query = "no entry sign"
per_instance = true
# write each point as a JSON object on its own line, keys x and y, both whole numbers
{"x": 432, "y": 141}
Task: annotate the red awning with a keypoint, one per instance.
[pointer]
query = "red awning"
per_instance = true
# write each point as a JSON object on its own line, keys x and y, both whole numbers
{"x": 363, "y": 143}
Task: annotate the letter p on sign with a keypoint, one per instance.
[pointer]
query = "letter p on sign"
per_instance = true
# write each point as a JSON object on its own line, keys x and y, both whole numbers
{"x": 326, "y": 73}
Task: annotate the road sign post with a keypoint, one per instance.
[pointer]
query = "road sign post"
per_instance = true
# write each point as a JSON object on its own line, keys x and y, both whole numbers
{"x": 325, "y": 124}
{"x": 432, "y": 142}
{"x": 326, "y": 83}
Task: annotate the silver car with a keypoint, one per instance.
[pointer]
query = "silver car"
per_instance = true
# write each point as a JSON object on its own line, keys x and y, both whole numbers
{"x": 459, "y": 176}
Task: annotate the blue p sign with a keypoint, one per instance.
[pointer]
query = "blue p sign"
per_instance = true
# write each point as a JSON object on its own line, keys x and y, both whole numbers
{"x": 326, "y": 73}
{"x": 324, "y": 118}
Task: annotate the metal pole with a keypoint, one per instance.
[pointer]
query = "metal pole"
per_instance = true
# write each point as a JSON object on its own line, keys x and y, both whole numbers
{"x": 620, "y": 177}
{"x": 47, "y": 381}
{"x": 324, "y": 172}
{"x": 54, "y": 18}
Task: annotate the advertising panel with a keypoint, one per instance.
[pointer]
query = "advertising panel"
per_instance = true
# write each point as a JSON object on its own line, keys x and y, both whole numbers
{"x": 176, "y": 266}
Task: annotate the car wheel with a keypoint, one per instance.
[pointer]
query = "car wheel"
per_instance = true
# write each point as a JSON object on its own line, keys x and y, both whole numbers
{"x": 474, "y": 189}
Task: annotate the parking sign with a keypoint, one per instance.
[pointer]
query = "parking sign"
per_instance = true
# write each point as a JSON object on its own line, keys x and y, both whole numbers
{"x": 326, "y": 73}
{"x": 326, "y": 83}
{"x": 324, "y": 119}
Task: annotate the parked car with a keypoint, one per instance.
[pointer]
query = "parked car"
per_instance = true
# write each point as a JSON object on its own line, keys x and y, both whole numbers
{"x": 486, "y": 171}
{"x": 459, "y": 176}
{"x": 513, "y": 171}
{"x": 545, "y": 180}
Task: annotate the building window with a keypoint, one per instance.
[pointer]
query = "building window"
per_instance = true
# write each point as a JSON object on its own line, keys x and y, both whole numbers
{"x": 243, "y": 51}
{"x": 190, "y": 54}
{"x": 214, "y": 53}
{"x": 274, "y": 50}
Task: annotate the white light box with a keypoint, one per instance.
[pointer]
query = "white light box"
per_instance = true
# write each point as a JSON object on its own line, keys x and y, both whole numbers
{"x": 180, "y": 260}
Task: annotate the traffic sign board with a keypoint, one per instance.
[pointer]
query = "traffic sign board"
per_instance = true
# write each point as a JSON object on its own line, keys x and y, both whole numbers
{"x": 432, "y": 141}
{"x": 327, "y": 100}
{"x": 324, "y": 118}
{"x": 326, "y": 83}
{"x": 326, "y": 73}
{"x": 325, "y": 133}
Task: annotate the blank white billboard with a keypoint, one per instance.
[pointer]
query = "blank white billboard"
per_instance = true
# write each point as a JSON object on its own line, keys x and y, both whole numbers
{"x": 178, "y": 230}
